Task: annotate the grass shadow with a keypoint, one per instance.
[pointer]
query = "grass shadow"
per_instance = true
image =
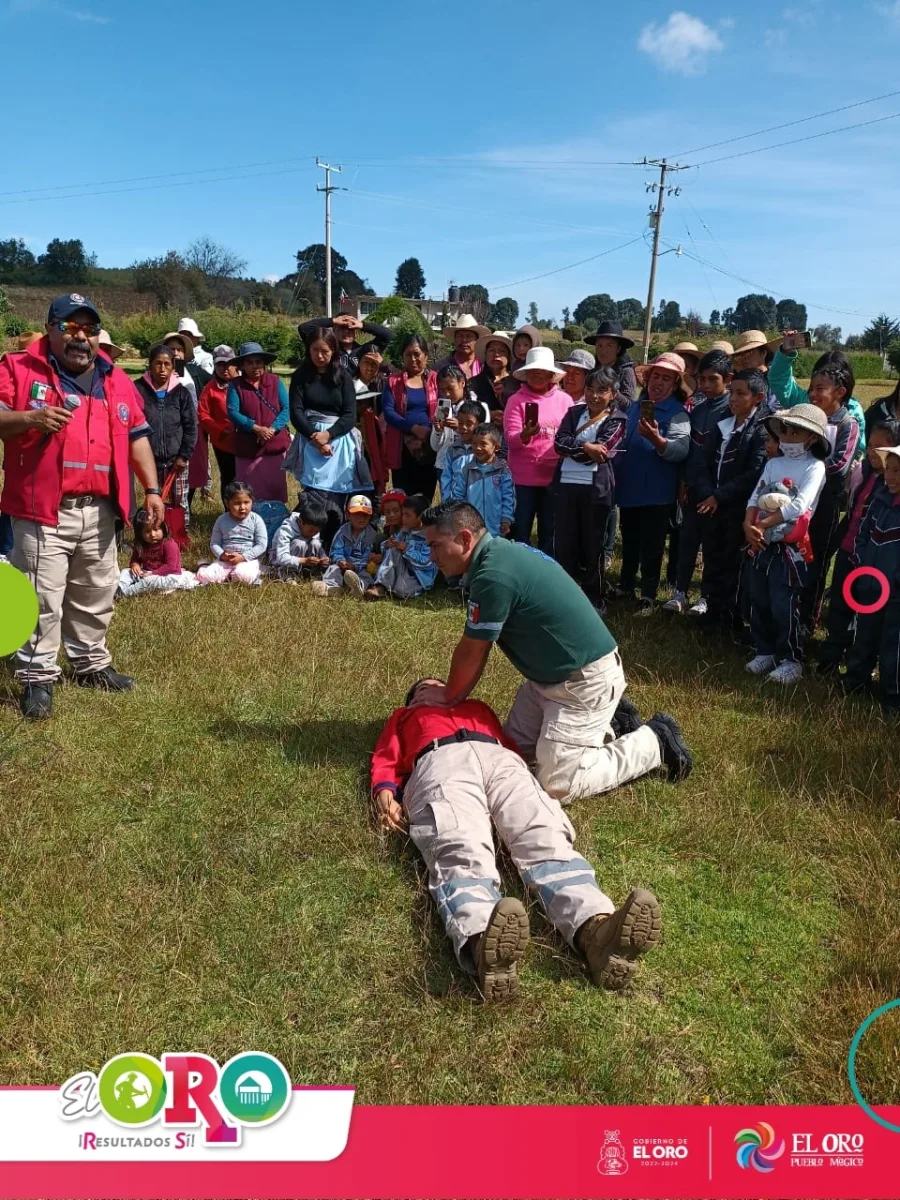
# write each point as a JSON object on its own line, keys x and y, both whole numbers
{"x": 316, "y": 742}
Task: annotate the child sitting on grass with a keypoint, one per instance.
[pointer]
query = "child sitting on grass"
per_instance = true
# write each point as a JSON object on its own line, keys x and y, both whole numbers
{"x": 297, "y": 546}
{"x": 485, "y": 482}
{"x": 155, "y": 561}
{"x": 407, "y": 569}
{"x": 350, "y": 552}
{"x": 469, "y": 416}
{"x": 238, "y": 539}
{"x": 391, "y": 512}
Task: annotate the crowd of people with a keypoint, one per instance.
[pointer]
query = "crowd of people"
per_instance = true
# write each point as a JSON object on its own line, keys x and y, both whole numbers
{"x": 720, "y": 456}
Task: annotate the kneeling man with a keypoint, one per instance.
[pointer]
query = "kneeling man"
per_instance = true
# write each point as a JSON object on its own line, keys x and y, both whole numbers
{"x": 445, "y": 774}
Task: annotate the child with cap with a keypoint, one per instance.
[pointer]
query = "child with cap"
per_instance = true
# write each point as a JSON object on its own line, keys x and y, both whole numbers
{"x": 297, "y": 545}
{"x": 776, "y": 570}
{"x": 406, "y": 569}
{"x": 486, "y": 483}
{"x": 350, "y": 552}
{"x": 390, "y": 524}
{"x": 877, "y": 547}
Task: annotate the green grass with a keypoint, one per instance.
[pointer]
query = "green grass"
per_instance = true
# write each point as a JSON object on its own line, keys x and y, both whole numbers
{"x": 192, "y": 866}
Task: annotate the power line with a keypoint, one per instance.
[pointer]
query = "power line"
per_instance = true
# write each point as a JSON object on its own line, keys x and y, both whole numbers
{"x": 559, "y": 270}
{"x": 810, "y": 137}
{"x": 786, "y": 124}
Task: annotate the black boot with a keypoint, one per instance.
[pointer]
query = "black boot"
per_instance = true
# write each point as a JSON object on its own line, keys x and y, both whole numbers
{"x": 37, "y": 701}
{"x": 107, "y": 680}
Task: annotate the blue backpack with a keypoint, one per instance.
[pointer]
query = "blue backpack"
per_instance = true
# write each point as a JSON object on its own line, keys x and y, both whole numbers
{"x": 273, "y": 513}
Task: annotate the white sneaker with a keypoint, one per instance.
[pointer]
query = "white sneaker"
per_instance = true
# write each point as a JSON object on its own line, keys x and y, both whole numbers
{"x": 700, "y": 609}
{"x": 787, "y": 672}
{"x": 761, "y": 665}
{"x": 354, "y": 584}
{"x": 319, "y": 587}
{"x": 677, "y": 604}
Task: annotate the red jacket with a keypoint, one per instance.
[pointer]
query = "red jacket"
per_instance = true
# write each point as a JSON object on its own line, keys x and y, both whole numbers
{"x": 212, "y": 412}
{"x": 32, "y": 461}
{"x": 409, "y": 730}
{"x": 393, "y": 438}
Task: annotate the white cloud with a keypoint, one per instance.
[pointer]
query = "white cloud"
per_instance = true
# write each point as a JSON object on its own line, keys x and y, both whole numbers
{"x": 680, "y": 43}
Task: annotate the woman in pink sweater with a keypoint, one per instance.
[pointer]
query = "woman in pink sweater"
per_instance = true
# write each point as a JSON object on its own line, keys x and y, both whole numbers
{"x": 531, "y": 455}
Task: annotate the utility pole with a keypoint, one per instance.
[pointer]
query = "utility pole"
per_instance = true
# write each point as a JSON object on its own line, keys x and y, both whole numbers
{"x": 327, "y": 189}
{"x": 656, "y": 216}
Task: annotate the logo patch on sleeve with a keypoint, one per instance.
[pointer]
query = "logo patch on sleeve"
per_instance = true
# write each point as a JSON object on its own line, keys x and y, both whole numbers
{"x": 123, "y": 414}
{"x": 474, "y": 612}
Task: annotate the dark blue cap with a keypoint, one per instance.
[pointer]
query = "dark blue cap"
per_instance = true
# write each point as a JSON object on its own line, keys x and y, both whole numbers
{"x": 64, "y": 306}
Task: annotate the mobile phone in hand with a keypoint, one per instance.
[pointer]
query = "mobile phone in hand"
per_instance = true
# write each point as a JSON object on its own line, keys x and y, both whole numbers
{"x": 531, "y": 412}
{"x": 647, "y": 413}
{"x": 798, "y": 341}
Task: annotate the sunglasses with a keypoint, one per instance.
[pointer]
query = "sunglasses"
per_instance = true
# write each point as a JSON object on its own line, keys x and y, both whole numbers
{"x": 74, "y": 327}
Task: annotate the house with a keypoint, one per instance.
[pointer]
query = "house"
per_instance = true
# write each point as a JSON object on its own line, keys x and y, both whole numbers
{"x": 438, "y": 313}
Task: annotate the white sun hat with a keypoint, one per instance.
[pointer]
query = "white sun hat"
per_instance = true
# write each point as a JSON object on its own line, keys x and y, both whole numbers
{"x": 539, "y": 358}
{"x": 189, "y": 325}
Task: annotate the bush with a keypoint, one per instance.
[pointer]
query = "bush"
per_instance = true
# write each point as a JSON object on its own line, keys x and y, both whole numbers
{"x": 865, "y": 366}
{"x": 13, "y": 325}
{"x": 403, "y": 319}
{"x": 275, "y": 333}
{"x": 893, "y": 354}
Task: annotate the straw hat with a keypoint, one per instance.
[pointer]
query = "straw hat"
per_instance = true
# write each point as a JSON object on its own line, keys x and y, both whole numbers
{"x": 687, "y": 348}
{"x": 186, "y": 344}
{"x": 483, "y": 343}
{"x": 669, "y": 361}
{"x": 807, "y": 417}
{"x": 106, "y": 343}
{"x": 28, "y": 339}
{"x": 466, "y": 321}
{"x": 750, "y": 339}
{"x": 539, "y": 358}
{"x": 725, "y": 347}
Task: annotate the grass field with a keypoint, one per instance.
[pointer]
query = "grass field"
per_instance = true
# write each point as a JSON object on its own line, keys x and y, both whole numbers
{"x": 192, "y": 867}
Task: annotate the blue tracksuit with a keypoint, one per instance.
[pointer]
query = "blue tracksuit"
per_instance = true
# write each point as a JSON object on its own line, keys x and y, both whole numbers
{"x": 355, "y": 548}
{"x": 457, "y": 456}
{"x": 877, "y": 637}
{"x": 488, "y": 487}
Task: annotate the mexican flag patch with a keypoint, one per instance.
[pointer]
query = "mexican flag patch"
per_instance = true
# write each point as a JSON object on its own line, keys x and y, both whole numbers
{"x": 40, "y": 391}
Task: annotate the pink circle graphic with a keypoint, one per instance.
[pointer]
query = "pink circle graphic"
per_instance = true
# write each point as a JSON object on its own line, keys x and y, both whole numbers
{"x": 859, "y": 573}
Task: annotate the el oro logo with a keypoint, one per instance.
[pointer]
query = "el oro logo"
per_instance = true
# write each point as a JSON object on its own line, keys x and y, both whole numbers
{"x": 134, "y": 1090}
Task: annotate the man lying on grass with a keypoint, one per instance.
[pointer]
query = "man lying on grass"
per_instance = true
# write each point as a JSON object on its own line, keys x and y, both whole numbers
{"x": 444, "y": 773}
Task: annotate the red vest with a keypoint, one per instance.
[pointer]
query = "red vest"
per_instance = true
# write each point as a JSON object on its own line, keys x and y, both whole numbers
{"x": 393, "y": 438}
{"x": 262, "y": 406}
{"x": 33, "y": 461}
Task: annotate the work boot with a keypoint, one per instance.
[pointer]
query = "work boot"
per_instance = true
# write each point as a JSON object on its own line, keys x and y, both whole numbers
{"x": 675, "y": 753}
{"x": 626, "y": 718}
{"x": 107, "y": 680}
{"x": 499, "y": 948}
{"x": 37, "y": 701}
{"x": 611, "y": 944}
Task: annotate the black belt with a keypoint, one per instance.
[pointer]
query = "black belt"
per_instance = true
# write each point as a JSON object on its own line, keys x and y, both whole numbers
{"x": 461, "y": 735}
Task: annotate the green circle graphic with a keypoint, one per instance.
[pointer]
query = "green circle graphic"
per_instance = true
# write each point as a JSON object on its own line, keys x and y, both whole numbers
{"x": 19, "y": 609}
{"x": 851, "y": 1066}
{"x": 255, "y": 1088}
{"x": 132, "y": 1089}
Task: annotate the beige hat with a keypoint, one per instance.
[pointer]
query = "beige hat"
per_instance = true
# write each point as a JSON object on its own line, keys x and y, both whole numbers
{"x": 687, "y": 348}
{"x": 484, "y": 342}
{"x": 106, "y": 343}
{"x": 466, "y": 321}
{"x": 539, "y": 358}
{"x": 725, "y": 347}
{"x": 807, "y": 417}
{"x": 884, "y": 451}
{"x": 750, "y": 339}
{"x": 669, "y": 361}
{"x": 186, "y": 343}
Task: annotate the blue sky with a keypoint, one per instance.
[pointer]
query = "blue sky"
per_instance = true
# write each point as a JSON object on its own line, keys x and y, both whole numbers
{"x": 468, "y": 136}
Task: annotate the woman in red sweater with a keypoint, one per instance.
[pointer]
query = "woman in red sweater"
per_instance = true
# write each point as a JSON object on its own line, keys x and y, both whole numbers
{"x": 212, "y": 413}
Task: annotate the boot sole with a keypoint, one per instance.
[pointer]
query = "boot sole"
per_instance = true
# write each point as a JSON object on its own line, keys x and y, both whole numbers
{"x": 354, "y": 584}
{"x": 504, "y": 942}
{"x": 640, "y": 929}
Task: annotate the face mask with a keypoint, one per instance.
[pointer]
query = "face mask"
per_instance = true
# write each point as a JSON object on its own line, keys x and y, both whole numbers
{"x": 793, "y": 449}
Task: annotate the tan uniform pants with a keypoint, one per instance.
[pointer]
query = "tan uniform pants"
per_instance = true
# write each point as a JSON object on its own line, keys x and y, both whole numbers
{"x": 451, "y": 798}
{"x": 564, "y": 728}
{"x": 75, "y": 572}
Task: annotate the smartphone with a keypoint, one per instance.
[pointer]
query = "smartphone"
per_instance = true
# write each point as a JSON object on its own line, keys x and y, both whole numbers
{"x": 444, "y": 409}
{"x": 531, "y": 412}
{"x": 798, "y": 341}
{"x": 647, "y": 411}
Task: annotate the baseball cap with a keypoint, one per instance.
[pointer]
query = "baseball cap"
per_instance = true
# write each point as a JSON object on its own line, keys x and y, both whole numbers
{"x": 64, "y": 306}
{"x": 222, "y": 353}
{"x": 360, "y": 504}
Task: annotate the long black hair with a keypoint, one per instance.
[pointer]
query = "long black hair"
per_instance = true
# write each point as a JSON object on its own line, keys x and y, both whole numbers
{"x": 334, "y": 371}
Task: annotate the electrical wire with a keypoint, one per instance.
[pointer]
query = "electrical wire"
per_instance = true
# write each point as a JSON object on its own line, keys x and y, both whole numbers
{"x": 810, "y": 137}
{"x": 559, "y": 270}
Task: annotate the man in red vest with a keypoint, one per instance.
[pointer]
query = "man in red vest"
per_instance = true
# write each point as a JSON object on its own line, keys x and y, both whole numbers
{"x": 72, "y": 425}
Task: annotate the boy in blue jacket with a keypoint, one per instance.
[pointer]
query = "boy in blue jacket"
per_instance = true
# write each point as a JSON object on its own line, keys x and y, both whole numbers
{"x": 350, "y": 550}
{"x": 406, "y": 569}
{"x": 486, "y": 483}
{"x": 469, "y": 416}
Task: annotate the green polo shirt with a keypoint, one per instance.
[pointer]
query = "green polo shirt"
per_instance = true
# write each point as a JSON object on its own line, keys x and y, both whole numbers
{"x": 539, "y": 617}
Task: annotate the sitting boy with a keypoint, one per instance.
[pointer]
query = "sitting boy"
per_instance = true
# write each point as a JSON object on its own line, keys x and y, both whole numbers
{"x": 350, "y": 550}
{"x": 445, "y": 774}
{"x": 297, "y": 545}
{"x": 406, "y": 569}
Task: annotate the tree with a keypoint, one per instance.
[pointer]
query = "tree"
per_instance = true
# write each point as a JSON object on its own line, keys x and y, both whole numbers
{"x": 631, "y": 313}
{"x": 171, "y": 281}
{"x": 715, "y": 318}
{"x": 826, "y": 337}
{"x": 669, "y": 316}
{"x": 880, "y": 333}
{"x": 311, "y": 261}
{"x": 533, "y": 312}
{"x": 403, "y": 318}
{"x": 15, "y": 259}
{"x": 893, "y": 355}
{"x": 566, "y": 316}
{"x": 410, "y": 279}
{"x": 475, "y": 300}
{"x": 755, "y": 311}
{"x": 505, "y": 313}
{"x": 354, "y": 285}
{"x": 64, "y": 262}
{"x": 213, "y": 259}
{"x": 790, "y": 315}
{"x": 600, "y": 306}
{"x": 692, "y": 322}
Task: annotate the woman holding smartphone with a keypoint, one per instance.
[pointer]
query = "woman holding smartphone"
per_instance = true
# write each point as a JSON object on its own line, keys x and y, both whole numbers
{"x": 657, "y": 439}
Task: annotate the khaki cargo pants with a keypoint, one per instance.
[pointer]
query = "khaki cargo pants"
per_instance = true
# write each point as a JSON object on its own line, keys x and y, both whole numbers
{"x": 564, "y": 729}
{"x": 75, "y": 570}
{"x": 452, "y": 798}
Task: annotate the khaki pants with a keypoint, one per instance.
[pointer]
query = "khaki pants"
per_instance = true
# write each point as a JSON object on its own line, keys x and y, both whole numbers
{"x": 451, "y": 799}
{"x": 75, "y": 572}
{"x": 564, "y": 728}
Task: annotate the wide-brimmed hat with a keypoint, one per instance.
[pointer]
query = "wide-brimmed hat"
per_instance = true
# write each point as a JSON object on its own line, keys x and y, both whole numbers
{"x": 189, "y": 325}
{"x": 255, "y": 350}
{"x": 483, "y": 343}
{"x": 750, "y": 339}
{"x": 725, "y": 347}
{"x": 106, "y": 343}
{"x": 806, "y": 417}
{"x": 466, "y": 321}
{"x": 539, "y": 358}
{"x": 28, "y": 339}
{"x": 669, "y": 361}
{"x": 884, "y": 451}
{"x": 222, "y": 353}
{"x": 186, "y": 344}
{"x": 611, "y": 329}
{"x": 687, "y": 348}
{"x": 582, "y": 359}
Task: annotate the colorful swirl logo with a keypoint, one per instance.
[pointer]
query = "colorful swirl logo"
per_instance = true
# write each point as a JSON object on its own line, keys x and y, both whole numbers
{"x": 759, "y": 1148}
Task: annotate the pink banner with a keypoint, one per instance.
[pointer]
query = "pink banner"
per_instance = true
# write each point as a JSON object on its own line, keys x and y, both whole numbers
{"x": 552, "y": 1152}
